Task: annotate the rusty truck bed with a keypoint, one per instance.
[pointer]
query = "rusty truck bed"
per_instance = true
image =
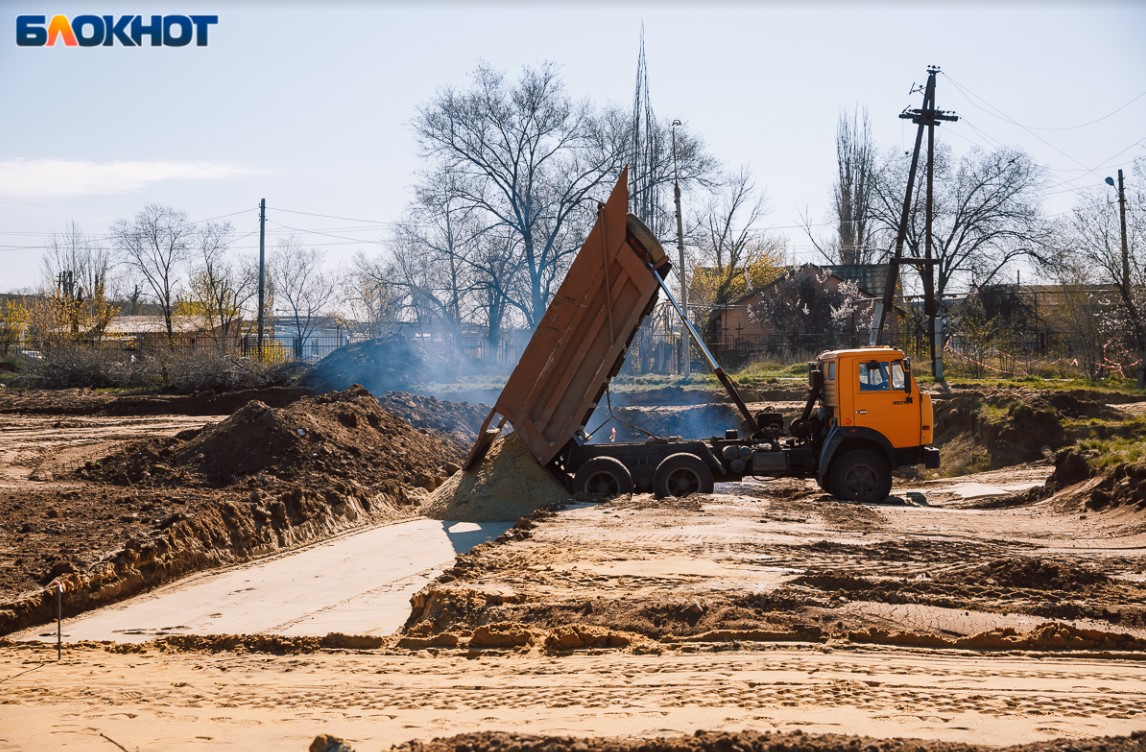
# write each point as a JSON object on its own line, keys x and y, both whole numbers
{"x": 581, "y": 340}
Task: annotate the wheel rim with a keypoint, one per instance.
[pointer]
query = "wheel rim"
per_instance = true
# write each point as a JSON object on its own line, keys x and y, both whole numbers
{"x": 861, "y": 480}
{"x": 603, "y": 484}
{"x": 683, "y": 482}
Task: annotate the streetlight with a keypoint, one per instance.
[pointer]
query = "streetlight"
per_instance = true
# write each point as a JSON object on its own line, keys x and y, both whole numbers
{"x": 1127, "y": 291}
{"x": 686, "y": 365}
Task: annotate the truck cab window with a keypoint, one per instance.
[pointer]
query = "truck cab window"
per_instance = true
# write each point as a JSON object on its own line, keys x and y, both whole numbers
{"x": 873, "y": 376}
{"x": 897, "y": 380}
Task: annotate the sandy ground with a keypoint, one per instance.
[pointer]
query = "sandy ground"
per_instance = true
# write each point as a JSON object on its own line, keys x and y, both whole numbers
{"x": 160, "y": 701}
{"x": 638, "y": 551}
{"x": 40, "y": 447}
{"x": 954, "y": 612}
{"x": 338, "y": 585}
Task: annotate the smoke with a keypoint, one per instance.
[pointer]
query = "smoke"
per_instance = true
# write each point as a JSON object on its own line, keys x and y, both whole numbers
{"x": 663, "y": 413}
{"x": 397, "y": 363}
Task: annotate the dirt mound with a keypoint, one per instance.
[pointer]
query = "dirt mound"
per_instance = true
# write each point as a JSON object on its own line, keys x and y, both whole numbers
{"x": 460, "y": 422}
{"x": 989, "y": 429}
{"x": 506, "y": 485}
{"x": 1022, "y": 572}
{"x": 1120, "y": 487}
{"x": 758, "y": 741}
{"x": 344, "y": 435}
{"x": 1004, "y": 427}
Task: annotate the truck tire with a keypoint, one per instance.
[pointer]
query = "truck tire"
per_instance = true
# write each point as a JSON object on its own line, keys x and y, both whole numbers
{"x": 860, "y": 475}
{"x": 681, "y": 474}
{"x": 603, "y": 476}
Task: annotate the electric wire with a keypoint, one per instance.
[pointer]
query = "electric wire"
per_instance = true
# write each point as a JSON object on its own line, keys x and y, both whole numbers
{"x": 326, "y": 234}
{"x": 1002, "y": 116}
{"x": 331, "y": 216}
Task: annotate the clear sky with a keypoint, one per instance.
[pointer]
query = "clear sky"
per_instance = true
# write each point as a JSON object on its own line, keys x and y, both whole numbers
{"x": 309, "y": 104}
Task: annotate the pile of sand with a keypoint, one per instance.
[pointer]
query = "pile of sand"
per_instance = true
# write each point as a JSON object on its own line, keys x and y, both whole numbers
{"x": 506, "y": 485}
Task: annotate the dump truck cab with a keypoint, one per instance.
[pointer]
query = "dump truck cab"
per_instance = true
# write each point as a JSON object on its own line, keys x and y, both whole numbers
{"x": 874, "y": 418}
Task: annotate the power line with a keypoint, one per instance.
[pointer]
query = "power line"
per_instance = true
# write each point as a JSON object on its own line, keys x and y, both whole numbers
{"x": 330, "y": 216}
{"x": 224, "y": 216}
{"x": 1059, "y": 182}
{"x": 1002, "y": 116}
{"x": 326, "y": 234}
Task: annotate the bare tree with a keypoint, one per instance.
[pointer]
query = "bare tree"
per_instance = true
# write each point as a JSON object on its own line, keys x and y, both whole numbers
{"x": 986, "y": 213}
{"x": 735, "y": 254}
{"x": 76, "y": 274}
{"x": 498, "y": 276}
{"x": 852, "y": 193}
{"x": 855, "y": 156}
{"x": 304, "y": 290}
{"x": 525, "y": 158}
{"x": 369, "y": 297}
{"x": 221, "y": 285}
{"x": 156, "y": 245}
{"x": 434, "y": 244}
{"x": 650, "y": 191}
{"x": 1089, "y": 250}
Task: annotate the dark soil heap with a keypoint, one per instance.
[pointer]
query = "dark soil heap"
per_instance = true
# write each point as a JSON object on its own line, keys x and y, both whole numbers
{"x": 458, "y": 423}
{"x": 385, "y": 364}
{"x": 343, "y": 436}
{"x": 758, "y": 741}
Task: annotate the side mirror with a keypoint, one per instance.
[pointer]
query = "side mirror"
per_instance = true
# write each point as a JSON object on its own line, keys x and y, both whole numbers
{"x": 907, "y": 381}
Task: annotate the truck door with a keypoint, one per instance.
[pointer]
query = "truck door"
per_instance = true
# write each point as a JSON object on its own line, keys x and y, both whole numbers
{"x": 885, "y": 400}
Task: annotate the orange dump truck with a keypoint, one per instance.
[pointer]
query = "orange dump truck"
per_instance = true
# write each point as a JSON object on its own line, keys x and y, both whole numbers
{"x": 864, "y": 415}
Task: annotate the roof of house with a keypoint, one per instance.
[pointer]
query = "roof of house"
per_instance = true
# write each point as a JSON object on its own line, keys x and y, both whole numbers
{"x": 156, "y": 325}
{"x": 804, "y": 267}
{"x": 870, "y": 278}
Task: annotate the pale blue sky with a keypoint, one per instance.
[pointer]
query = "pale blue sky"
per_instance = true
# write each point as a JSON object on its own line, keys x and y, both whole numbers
{"x": 309, "y": 105}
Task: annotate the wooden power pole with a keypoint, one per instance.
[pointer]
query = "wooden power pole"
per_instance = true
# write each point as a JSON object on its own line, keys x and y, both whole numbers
{"x": 927, "y": 116}
{"x": 262, "y": 274}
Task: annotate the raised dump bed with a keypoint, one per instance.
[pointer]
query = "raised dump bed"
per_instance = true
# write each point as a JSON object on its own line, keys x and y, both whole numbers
{"x": 581, "y": 340}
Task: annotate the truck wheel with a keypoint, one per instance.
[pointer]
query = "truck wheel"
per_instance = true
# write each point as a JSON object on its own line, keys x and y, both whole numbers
{"x": 681, "y": 474}
{"x": 860, "y": 475}
{"x": 603, "y": 476}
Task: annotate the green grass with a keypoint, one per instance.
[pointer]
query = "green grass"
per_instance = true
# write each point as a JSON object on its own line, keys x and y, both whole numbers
{"x": 760, "y": 371}
{"x": 1109, "y": 386}
{"x": 1107, "y": 443}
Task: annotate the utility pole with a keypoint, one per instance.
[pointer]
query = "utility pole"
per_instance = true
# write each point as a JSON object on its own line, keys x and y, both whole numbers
{"x": 686, "y": 361}
{"x": 262, "y": 274}
{"x": 1127, "y": 290}
{"x": 927, "y": 116}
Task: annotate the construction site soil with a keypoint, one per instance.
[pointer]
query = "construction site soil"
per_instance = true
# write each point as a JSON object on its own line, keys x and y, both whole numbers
{"x": 110, "y": 514}
{"x": 114, "y": 495}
